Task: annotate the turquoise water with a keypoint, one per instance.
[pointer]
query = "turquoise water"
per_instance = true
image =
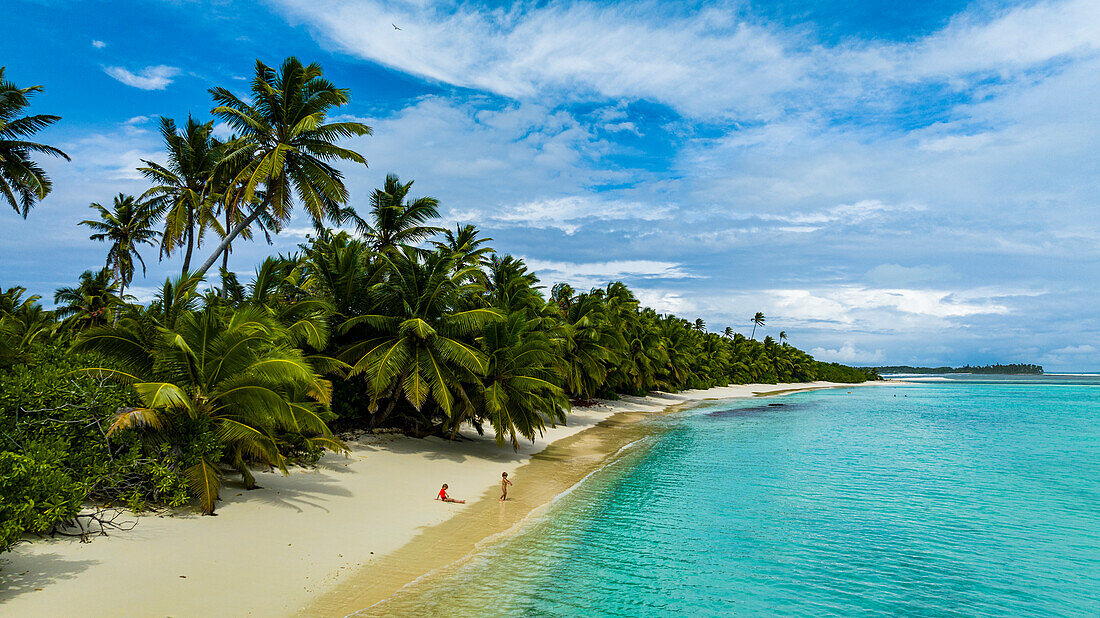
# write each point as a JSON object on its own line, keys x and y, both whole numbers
{"x": 967, "y": 498}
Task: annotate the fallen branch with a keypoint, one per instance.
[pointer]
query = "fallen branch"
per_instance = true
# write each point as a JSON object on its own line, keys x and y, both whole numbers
{"x": 96, "y": 523}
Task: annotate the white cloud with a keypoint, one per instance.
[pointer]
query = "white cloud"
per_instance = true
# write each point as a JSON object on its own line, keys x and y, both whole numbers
{"x": 711, "y": 62}
{"x": 150, "y": 78}
{"x": 842, "y": 303}
{"x": 567, "y": 214}
{"x": 848, "y": 353}
{"x": 98, "y": 44}
{"x": 1076, "y": 349}
{"x": 590, "y": 274}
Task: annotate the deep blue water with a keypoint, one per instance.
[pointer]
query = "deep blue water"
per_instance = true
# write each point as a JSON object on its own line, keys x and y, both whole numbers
{"x": 969, "y": 497}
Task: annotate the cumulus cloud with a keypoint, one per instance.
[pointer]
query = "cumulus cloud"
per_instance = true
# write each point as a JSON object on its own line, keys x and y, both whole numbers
{"x": 98, "y": 44}
{"x": 584, "y": 275}
{"x": 1076, "y": 349}
{"x": 848, "y": 354}
{"x": 567, "y": 214}
{"x": 843, "y": 304}
{"x": 156, "y": 77}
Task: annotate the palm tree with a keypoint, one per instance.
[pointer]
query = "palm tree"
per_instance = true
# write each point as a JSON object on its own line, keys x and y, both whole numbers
{"x": 587, "y": 346}
{"x": 340, "y": 269}
{"x": 183, "y": 184}
{"x": 728, "y": 333}
{"x": 520, "y": 393}
{"x": 783, "y": 337}
{"x": 23, "y": 322}
{"x": 467, "y": 243}
{"x": 128, "y": 225}
{"x": 395, "y": 221}
{"x": 509, "y": 286}
{"x": 413, "y": 348}
{"x": 22, "y": 181}
{"x": 757, "y": 320}
{"x": 700, "y": 325}
{"x": 90, "y": 303}
{"x": 285, "y": 146}
{"x": 229, "y": 373}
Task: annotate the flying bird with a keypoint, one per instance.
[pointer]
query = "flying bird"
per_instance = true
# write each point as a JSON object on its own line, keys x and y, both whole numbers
{"x": 395, "y": 26}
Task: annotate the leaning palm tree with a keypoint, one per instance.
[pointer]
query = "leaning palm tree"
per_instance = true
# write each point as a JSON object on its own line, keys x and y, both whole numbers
{"x": 22, "y": 181}
{"x": 229, "y": 374}
{"x": 284, "y": 147}
{"x": 126, "y": 226}
{"x": 757, "y": 320}
{"x": 396, "y": 221}
{"x": 182, "y": 185}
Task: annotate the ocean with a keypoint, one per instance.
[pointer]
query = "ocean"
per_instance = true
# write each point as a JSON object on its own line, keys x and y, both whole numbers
{"x": 965, "y": 496}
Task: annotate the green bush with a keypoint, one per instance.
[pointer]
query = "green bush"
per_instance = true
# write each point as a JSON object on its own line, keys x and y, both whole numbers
{"x": 53, "y": 440}
{"x": 34, "y": 497}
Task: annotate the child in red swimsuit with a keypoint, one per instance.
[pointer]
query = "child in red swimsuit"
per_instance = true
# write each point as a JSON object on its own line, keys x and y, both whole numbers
{"x": 444, "y": 497}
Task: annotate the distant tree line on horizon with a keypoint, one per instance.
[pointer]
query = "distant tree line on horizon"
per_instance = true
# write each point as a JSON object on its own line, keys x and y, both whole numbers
{"x": 400, "y": 324}
{"x": 1010, "y": 369}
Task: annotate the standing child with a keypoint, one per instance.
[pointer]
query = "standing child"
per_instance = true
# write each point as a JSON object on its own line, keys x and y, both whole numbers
{"x": 504, "y": 483}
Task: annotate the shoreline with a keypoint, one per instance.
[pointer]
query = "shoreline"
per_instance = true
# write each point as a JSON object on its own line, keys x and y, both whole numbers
{"x": 571, "y": 460}
{"x": 306, "y": 543}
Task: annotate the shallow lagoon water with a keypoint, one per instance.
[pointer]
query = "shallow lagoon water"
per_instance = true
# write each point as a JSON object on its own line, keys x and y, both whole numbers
{"x": 970, "y": 497}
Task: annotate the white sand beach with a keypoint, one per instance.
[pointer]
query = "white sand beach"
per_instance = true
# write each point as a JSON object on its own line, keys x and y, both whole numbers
{"x": 272, "y": 551}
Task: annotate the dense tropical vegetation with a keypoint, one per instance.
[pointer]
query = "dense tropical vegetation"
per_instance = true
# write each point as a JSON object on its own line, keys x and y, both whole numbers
{"x": 399, "y": 325}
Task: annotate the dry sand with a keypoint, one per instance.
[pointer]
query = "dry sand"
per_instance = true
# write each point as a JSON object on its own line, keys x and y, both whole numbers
{"x": 307, "y": 543}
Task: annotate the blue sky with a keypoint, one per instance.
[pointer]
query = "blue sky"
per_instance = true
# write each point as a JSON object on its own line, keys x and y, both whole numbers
{"x": 889, "y": 182}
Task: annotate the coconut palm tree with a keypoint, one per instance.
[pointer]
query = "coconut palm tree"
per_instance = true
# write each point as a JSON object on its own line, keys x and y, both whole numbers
{"x": 728, "y": 333}
{"x": 227, "y": 372}
{"x": 126, "y": 226}
{"x": 22, "y": 181}
{"x": 23, "y": 323}
{"x": 587, "y": 346}
{"x": 412, "y": 348}
{"x": 700, "y": 326}
{"x": 183, "y": 184}
{"x": 521, "y": 392}
{"x": 285, "y": 147}
{"x": 91, "y": 303}
{"x": 783, "y": 337}
{"x": 466, "y": 242}
{"x": 510, "y": 287}
{"x": 395, "y": 221}
{"x": 757, "y": 320}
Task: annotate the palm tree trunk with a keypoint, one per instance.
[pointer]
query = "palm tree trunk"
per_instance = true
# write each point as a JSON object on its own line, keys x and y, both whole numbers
{"x": 190, "y": 242}
{"x": 224, "y": 244}
{"x": 378, "y": 420}
{"x": 228, "y": 248}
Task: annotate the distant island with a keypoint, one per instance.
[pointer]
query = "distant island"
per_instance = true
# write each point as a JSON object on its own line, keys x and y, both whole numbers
{"x": 1012, "y": 369}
